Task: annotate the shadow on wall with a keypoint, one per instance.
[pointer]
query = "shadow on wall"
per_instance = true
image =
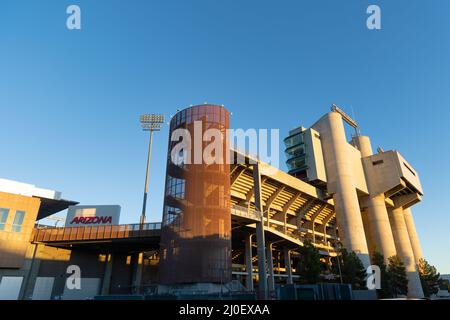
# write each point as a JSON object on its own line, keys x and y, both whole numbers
{"x": 195, "y": 259}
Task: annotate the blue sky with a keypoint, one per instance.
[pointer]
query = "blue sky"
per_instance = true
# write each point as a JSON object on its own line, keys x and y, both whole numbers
{"x": 70, "y": 100}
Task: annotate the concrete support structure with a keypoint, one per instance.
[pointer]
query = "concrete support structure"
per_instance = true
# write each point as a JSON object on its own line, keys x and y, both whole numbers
{"x": 249, "y": 263}
{"x": 106, "y": 282}
{"x": 341, "y": 184}
{"x": 271, "y": 278}
{"x": 381, "y": 227}
{"x": 381, "y": 238}
{"x": 405, "y": 252}
{"x": 34, "y": 264}
{"x": 138, "y": 265}
{"x": 413, "y": 237}
{"x": 288, "y": 265}
{"x": 260, "y": 239}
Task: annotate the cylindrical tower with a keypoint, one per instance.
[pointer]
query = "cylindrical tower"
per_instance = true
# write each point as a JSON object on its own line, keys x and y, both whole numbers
{"x": 380, "y": 236}
{"x": 196, "y": 231}
{"x": 342, "y": 185}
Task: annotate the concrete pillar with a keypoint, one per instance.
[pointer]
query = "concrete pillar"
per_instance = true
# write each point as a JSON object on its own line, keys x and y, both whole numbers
{"x": 341, "y": 184}
{"x": 32, "y": 271}
{"x": 138, "y": 265}
{"x": 381, "y": 227}
{"x": 380, "y": 237}
{"x": 364, "y": 145}
{"x": 405, "y": 252}
{"x": 271, "y": 278}
{"x": 368, "y": 231}
{"x": 413, "y": 236}
{"x": 260, "y": 239}
{"x": 313, "y": 232}
{"x": 248, "y": 263}
{"x": 106, "y": 282}
{"x": 287, "y": 263}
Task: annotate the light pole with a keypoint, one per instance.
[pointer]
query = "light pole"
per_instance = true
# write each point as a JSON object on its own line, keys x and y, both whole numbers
{"x": 149, "y": 122}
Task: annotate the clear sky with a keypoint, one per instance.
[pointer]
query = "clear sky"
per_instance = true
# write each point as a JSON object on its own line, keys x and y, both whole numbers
{"x": 70, "y": 100}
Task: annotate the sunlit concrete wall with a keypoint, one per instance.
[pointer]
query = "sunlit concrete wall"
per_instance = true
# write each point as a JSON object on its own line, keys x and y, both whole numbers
{"x": 14, "y": 240}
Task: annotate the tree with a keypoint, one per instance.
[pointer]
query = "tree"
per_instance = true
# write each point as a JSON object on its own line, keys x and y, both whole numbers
{"x": 429, "y": 278}
{"x": 309, "y": 267}
{"x": 397, "y": 276}
{"x": 444, "y": 284}
{"x": 386, "y": 288}
{"x": 352, "y": 270}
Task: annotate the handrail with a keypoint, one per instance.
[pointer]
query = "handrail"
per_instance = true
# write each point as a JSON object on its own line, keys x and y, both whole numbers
{"x": 246, "y": 212}
{"x": 44, "y": 234}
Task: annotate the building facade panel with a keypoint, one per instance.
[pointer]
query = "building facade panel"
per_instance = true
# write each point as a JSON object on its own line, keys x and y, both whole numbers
{"x": 18, "y": 214}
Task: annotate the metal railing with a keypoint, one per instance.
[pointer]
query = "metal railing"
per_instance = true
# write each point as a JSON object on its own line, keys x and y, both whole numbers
{"x": 52, "y": 234}
{"x": 245, "y": 212}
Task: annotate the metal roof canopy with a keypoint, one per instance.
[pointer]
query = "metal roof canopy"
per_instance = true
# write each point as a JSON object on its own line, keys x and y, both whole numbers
{"x": 52, "y": 206}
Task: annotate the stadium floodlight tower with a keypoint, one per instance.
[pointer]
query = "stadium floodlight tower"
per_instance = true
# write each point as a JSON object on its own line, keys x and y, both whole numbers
{"x": 149, "y": 122}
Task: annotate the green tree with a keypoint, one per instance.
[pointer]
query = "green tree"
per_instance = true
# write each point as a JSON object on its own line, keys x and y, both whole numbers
{"x": 444, "y": 284}
{"x": 429, "y": 278}
{"x": 397, "y": 276}
{"x": 309, "y": 267}
{"x": 352, "y": 270}
{"x": 386, "y": 288}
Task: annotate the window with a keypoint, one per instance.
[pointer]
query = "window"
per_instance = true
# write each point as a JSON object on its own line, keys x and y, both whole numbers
{"x": 296, "y": 163}
{"x": 375, "y": 163}
{"x": 410, "y": 170}
{"x": 18, "y": 221}
{"x": 175, "y": 187}
{"x": 171, "y": 215}
{"x": 294, "y": 151}
{"x": 3, "y": 217}
{"x": 294, "y": 140}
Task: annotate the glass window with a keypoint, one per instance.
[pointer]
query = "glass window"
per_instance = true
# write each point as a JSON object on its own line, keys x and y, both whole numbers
{"x": 175, "y": 187}
{"x": 294, "y": 140}
{"x": 295, "y": 151}
{"x": 18, "y": 221}
{"x": 172, "y": 215}
{"x": 188, "y": 116}
{"x": 3, "y": 217}
{"x": 296, "y": 163}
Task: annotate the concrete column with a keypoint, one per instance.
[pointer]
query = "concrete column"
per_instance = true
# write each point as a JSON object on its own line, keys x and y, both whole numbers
{"x": 34, "y": 263}
{"x": 368, "y": 230}
{"x": 381, "y": 227}
{"x": 287, "y": 263}
{"x": 413, "y": 236}
{"x": 405, "y": 252}
{"x": 271, "y": 278}
{"x": 364, "y": 145}
{"x": 248, "y": 263}
{"x": 341, "y": 184}
{"x": 106, "y": 282}
{"x": 260, "y": 239}
{"x": 138, "y": 266}
{"x": 313, "y": 232}
{"x": 380, "y": 237}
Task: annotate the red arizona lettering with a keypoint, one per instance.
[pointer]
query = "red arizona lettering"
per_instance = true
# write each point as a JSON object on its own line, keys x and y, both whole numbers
{"x": 75, "y": 220}
{"x": 91, "y": 220}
